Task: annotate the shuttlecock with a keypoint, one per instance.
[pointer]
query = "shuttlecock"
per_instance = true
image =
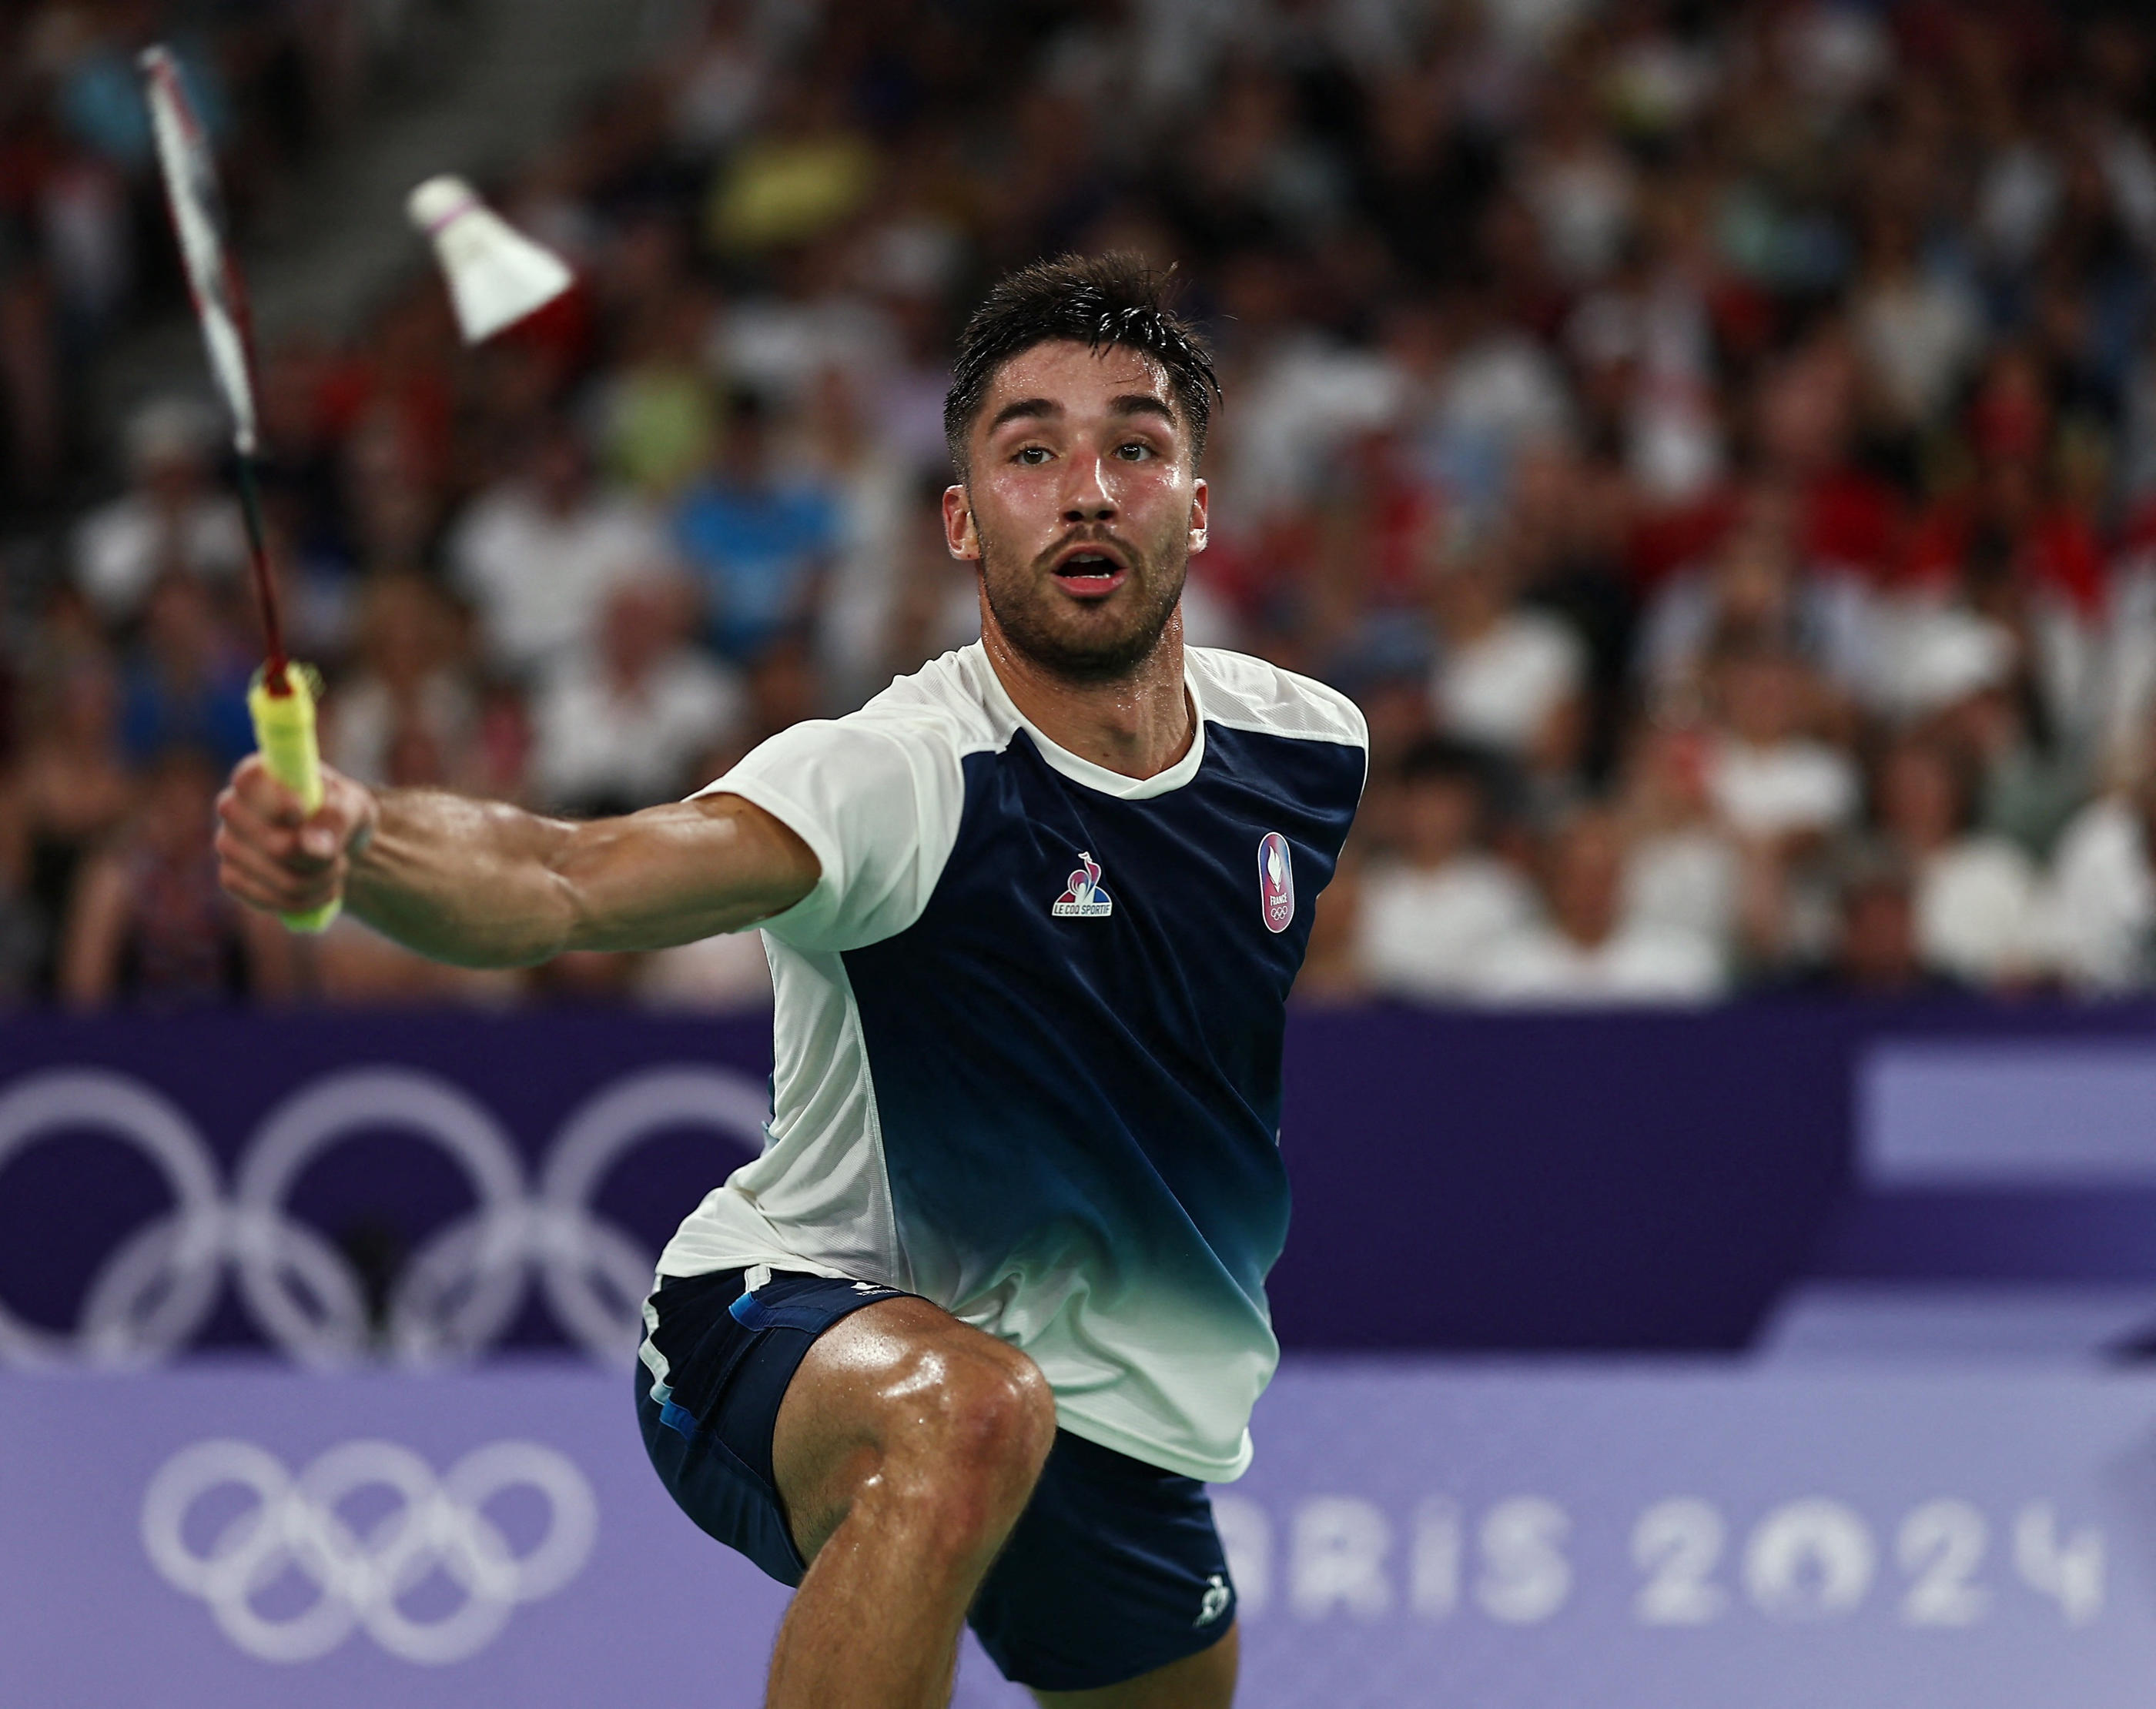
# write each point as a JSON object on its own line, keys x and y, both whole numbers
{"x": 496, "y": 274}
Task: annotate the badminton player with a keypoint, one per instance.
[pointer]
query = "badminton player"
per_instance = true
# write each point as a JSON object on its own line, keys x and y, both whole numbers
{"x": 966, "y": 1342}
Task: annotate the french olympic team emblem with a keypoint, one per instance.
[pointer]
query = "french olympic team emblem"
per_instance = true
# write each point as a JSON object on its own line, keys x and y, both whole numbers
{"x": 1082, "y": 897}
{"x": 461, "y": 1289}
{"x": 359, "y": 1573}
{"x": 1276, "y": 881}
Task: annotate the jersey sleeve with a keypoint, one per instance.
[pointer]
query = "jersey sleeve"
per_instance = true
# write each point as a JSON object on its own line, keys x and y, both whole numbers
{"x": 877, "y": 801}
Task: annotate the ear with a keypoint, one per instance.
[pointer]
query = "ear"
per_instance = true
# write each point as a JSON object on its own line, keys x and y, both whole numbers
{"x": 959, "y": 535}
{"x": 1200, "y": 504}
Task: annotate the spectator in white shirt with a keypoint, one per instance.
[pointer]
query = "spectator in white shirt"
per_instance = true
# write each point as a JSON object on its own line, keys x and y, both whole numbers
{"x": 1683, "y": 868}
{"x": 1587, "y": 951}
{"x": 538, "y": 555}
{"x": 1975, "y": 894}
{"x": 169, "y": 518}
{"x": 1429, "y": 913}
{"x": 1508, "y": 677}
{"x": 619, "y": 726}
{"x": 2100, "y": 911}
{"x": 1768, "y": 779}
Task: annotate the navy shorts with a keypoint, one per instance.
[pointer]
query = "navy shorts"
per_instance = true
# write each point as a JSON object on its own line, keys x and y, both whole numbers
{"x": 1114, "y": 1569}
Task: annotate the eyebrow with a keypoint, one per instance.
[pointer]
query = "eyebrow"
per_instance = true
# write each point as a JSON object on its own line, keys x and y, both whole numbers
{"x": 1142, "y": 403}
{"x": 1047, "y": 409}
{"x": 1022, "y": 408}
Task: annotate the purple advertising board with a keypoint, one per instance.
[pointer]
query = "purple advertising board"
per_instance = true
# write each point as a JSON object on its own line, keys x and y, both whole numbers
{"x": 235, "y": 1535}
{"x": 339, "y": 1186}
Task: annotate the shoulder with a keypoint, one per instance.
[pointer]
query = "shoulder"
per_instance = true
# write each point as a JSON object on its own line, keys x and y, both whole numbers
{"x": 1242, "y": 693}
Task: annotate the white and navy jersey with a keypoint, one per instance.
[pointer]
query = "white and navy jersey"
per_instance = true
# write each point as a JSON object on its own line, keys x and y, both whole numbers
{"x": 1029, "y": 1032}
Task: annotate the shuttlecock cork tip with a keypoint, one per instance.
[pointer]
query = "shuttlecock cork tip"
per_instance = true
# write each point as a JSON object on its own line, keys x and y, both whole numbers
{"x": 434, "y": 204}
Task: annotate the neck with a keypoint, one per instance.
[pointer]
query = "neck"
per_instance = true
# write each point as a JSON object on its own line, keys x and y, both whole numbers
{"x": 1138, "y": 724}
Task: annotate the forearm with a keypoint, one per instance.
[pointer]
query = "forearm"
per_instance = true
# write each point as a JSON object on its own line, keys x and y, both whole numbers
{"x": 481, "y": 883}
{"x": 485, "y": 885}
{"x": 475, "y": 883}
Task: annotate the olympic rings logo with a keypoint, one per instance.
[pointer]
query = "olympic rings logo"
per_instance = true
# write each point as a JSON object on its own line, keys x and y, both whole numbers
{"x": 463, "y": 1286}
{"x": 362, "y": 1579}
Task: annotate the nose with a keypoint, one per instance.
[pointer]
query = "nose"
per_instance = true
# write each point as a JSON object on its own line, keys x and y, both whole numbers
{"x": 1086, "y": 495}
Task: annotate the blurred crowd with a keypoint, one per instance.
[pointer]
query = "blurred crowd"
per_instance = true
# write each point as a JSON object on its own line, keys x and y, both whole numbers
{"x": 1715, "y": 443}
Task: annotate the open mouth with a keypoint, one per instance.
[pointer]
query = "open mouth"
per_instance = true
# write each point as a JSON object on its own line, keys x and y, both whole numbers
{"x": 1090, "y": 573}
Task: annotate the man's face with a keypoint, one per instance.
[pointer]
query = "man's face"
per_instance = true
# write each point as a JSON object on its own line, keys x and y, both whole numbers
{"x": 1439, "y": 818}
{"x": 1081, "y": 507}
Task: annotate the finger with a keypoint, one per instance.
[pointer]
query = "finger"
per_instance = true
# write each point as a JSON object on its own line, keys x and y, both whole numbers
{"x": 248, "y": 818}
{"x": 271, "y": 893}
{"x": 276, "y": 895}
{"x": 264, "y": 887}
{"x": 291, "y": 889}
{"x": 254, "y": 784}
{"x": 242, "y": 824}
{"x": 264, "y": 901}
{"x": 308, "y": 846}
{"x": 322, "y": 836}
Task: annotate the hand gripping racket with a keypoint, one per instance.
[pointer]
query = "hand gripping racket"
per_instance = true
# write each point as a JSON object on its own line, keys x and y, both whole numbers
{"x": 281, "y": 698}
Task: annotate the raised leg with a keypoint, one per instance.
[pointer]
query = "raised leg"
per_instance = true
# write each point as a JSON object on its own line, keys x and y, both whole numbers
{"x": 904, "y": 1450}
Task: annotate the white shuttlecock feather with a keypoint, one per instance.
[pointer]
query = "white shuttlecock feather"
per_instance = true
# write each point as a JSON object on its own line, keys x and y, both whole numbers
{"x": 496, "y": 274}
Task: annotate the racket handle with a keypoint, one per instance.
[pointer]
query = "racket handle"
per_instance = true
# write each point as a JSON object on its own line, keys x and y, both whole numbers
{"x": 284, "y": 733}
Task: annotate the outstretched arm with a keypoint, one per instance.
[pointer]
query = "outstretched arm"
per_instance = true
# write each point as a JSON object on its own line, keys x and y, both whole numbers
{"x": 486, "y": 885}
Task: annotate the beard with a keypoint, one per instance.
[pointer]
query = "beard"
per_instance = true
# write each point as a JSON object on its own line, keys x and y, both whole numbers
{"x": 1086, "y": 642}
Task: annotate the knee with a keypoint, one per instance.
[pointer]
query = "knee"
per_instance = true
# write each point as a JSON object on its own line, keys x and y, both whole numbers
{"x": 970, "y": 1433}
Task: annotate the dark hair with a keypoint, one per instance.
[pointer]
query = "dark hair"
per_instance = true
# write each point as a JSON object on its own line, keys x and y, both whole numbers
{"x": 1441, "y": 758}
{"x": 1444, "y": 760}
{"x": 1095, "y": 300}
{"x": 747, "y": 405}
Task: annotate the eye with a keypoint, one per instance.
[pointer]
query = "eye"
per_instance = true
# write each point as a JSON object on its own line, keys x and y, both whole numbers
{"x": 1134, "y": 451}
{"x": 1033, "y": 456}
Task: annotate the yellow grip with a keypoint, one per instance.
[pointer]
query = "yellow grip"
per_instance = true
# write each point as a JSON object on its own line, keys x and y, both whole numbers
{"x": 285, "y": 732}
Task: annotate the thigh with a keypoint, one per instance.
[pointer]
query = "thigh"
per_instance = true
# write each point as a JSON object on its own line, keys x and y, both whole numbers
{"x": 889, "y": 1376}
{"x": 1205, "y": 1681}
{"x": 719, "y": 1355}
